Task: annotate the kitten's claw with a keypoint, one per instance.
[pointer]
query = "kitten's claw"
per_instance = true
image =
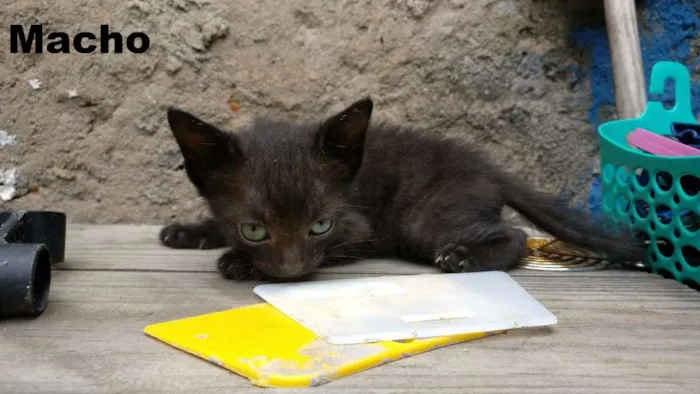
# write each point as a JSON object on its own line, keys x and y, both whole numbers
{"x": 235, "y": 266}
{"x": 453, "y": 258}
{"x": 182, "y": 236}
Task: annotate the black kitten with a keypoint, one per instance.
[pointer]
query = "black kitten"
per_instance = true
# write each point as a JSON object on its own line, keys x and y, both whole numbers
{"x": 288, "y": 198}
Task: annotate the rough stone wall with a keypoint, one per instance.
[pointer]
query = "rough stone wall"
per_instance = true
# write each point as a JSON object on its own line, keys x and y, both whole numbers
{"x": 92, "y": 139}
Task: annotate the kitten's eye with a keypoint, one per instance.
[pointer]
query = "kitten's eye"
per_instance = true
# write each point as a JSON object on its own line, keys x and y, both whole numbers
{"x": 321, "y": 227}
{"x": 253, "y": 232}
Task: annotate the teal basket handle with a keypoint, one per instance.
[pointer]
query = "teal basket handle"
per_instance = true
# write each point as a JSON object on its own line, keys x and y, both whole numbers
{"x": 683, "y": 108}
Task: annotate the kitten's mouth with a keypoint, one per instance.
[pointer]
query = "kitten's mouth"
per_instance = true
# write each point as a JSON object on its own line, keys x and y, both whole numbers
{"x": 279, "y": 276}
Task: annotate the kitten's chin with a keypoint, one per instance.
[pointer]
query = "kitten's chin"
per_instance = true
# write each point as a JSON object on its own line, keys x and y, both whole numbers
{"x": 291, "y": 279}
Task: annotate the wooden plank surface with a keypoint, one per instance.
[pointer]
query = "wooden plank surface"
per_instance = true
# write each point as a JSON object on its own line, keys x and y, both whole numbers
{"x": 128, "y": 247}
{"x": 618, "y": 332}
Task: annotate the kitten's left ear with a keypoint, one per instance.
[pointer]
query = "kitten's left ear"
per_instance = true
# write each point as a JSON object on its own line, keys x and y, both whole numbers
{"x": 342, "y": 136}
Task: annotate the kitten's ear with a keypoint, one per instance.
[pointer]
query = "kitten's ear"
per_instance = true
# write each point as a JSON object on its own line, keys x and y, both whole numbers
{"x": 342, "y": 136}
{"x": 204, "y": 147}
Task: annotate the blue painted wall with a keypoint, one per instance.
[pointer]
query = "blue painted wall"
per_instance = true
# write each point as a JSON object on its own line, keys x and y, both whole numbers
{"x": 667, "y": 28}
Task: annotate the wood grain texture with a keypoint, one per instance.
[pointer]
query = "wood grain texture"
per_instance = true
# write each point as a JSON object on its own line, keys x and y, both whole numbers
{"x": 618, "y": 331}
{"x": 95, "y": 247}
{"x": 625, "y": 52}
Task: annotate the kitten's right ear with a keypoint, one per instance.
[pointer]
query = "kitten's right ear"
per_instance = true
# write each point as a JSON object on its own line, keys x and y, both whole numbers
{"x": 204, "y": 147}
{"x": 342, "y": 136}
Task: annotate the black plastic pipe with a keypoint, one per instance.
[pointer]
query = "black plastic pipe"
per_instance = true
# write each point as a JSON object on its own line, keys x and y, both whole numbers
{"x": 30, "y": 242}
{"x": 36, "y": 227}
{"x": 25, "y": 279}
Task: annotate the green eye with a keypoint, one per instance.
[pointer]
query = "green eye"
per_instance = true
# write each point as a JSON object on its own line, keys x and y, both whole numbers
{"x": 321, "y": 227}
{"x": 253, "y": 232}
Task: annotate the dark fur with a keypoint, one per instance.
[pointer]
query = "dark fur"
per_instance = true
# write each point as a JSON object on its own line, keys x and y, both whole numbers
{"x": 392, "y": 193}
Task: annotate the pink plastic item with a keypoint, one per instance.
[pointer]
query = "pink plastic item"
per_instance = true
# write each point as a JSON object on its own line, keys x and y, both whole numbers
{"x": 659, "y": 145}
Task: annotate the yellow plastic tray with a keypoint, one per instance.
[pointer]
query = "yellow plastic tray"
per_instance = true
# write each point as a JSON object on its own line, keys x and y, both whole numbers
{"x": 272, "y": 350}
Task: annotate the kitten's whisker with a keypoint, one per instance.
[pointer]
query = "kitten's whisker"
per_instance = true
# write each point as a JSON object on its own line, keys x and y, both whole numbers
{"x": 347, "y": 205}
{"x": 343, "y": 256}
{"x": 355, "y": 242}
{"x": 245, "y": 276}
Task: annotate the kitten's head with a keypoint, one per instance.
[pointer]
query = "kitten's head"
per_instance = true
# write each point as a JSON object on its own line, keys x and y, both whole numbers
{"x": 281, "y": 191}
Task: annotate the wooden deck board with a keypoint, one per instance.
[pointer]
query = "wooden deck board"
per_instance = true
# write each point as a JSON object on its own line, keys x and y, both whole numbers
{"x": 618, "y": 332}
{"x": 137, "y": 248}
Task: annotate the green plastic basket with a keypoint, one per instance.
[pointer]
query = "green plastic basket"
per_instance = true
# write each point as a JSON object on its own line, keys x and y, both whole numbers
{"x": 646, "y": 192}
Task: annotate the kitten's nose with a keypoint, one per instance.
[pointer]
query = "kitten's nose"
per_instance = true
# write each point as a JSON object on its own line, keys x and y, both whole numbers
{"x": 292, "y": 264}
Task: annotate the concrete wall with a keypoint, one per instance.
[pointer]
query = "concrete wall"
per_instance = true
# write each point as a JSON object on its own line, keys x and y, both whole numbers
{"x": 515, "y": 76}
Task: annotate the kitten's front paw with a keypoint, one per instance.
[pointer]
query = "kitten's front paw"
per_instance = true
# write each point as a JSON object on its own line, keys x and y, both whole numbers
{"x": 238, "y": 267}
{"x": 453, "y": 258}
{"x": 183, "y": 236}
